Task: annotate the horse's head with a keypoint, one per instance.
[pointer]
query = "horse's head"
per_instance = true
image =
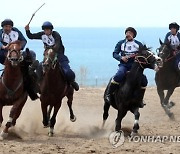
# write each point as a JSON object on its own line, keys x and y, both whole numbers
{"x": 50, "y": 59}
{"x": 14, "y": 55}
{"x": 147, "y": 59}
{"x": 166, "y": 52}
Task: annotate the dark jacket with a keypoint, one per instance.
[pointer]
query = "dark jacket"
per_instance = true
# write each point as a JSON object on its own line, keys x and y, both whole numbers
{"x": 55, "y": 41}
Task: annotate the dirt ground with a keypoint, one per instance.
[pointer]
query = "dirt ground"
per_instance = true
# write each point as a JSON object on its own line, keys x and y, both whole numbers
{"x": 85, "y": 135}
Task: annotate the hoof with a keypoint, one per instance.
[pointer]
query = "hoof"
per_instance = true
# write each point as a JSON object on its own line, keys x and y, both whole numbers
{"x": 134, "y": 133}
{"x": 3, "y": 135}
{"x": 171, "y": 116}
{"x": 104, "y": 121}
{"x": 50, "y": 134}
{"x": 171, "y": 104}
{"x": 74, "y": 119}
{"x": 46, "y": 126}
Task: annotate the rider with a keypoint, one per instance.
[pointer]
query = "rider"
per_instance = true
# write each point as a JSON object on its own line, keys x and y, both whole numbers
{"x": 173, "y": 37}
{"x": 9, "y": 34}
{"x": 52, "y": 39}
{"x": 124, "y": 52}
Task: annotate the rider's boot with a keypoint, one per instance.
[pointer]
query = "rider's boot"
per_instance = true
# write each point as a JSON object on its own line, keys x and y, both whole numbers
{"x": 111, "y": 88}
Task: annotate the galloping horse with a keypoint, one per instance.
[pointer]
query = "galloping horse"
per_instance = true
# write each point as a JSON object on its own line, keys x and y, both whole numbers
{"x": 12, "y": 90}
{"x": 167, "y": 78}
{"x": 126, "y": 97}
{"x": 54, "y": 88}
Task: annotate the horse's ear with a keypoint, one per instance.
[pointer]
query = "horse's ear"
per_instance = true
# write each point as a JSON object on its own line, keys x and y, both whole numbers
{"x": 144, "y": 46}
{"x": 160, "y": 42}
{"x": 27, "y": 50}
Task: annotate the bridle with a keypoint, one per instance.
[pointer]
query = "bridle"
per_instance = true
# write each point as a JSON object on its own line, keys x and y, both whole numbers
{"x": 17, "y": 59}
{"x": 145, "y": 62}
{"x": 169, "y": 56}
{"x": 53, "y": 61}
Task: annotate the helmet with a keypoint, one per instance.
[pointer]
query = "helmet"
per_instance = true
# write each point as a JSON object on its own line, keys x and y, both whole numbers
{"x": 174, "y": 25}
{"x": 7, "y": 22}
{"x": 131, "y": 29}
{"x": 47, "y": 25}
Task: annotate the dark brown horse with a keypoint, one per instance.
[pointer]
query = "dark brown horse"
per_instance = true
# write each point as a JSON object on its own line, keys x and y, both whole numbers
{"x": 167, "y": 78}
{"x": 54, "y": 88}
{"x": 12, "y": 90}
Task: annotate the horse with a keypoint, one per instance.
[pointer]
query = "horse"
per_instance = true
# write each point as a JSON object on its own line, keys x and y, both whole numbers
{"x": 126, "y": 96}
{"x": 12, "y": 91}
{"x": 167, "y": 78}
{"x": 54, "y": 88}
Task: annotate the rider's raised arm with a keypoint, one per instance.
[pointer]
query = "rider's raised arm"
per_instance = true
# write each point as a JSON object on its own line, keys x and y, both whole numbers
{"x": 34, "y": 35}
{"x": 117, "y": 50}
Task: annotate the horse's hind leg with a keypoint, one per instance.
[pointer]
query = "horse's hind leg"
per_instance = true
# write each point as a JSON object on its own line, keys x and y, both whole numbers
{"x": 69, "y": 103}
{"x": 136, "y": 122}
{"x": 49, "y": 112}
{"x": 53, "y": 118}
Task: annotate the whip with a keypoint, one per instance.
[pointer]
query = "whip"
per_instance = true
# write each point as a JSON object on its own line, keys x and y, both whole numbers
{"x": 35, "y": 13}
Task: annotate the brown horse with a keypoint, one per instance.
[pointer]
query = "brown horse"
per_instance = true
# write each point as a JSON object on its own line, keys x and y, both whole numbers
{"x": 54, "y": 88}
{"x": 12, "y": 90}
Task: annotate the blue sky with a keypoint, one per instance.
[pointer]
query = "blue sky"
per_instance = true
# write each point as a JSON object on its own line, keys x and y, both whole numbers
{"x": 93, "y": 13}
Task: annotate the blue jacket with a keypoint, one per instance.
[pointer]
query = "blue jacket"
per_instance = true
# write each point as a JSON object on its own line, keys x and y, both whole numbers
{"x": 20, "y": 38}
{"x": 126, "y": 48}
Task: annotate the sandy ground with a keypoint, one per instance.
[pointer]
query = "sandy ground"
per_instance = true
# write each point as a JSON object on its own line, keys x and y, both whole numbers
{"x": 85, "y": 135}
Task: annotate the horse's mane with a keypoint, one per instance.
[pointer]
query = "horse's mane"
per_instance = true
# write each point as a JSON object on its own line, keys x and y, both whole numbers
{"x": 168, "y": 44}
{"x": 144, "y": 48}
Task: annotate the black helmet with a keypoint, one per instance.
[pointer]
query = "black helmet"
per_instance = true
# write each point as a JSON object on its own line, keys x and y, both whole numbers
{"x": 131, "y": 29}
{"x": 174, "y": 25}
{"x": 47, "y": 25}
{"x": 7, "y": 22}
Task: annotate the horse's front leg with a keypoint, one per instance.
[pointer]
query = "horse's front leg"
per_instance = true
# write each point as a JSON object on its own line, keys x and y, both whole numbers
{"x": 168, "y": 105}
{"x": 4, "y": 132}
{"x": 161, "y": 95}
{"x": 53, "y": 118}
{"x": 106, "y": 112}
{"x": 44, "y": 114}
{"x": 168, "y": 95}
{"x": 121, "y": 114}
{"x": 69, "y": 103}
{"x": 136, "y": 113}
{"x": 1, "y": 116}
